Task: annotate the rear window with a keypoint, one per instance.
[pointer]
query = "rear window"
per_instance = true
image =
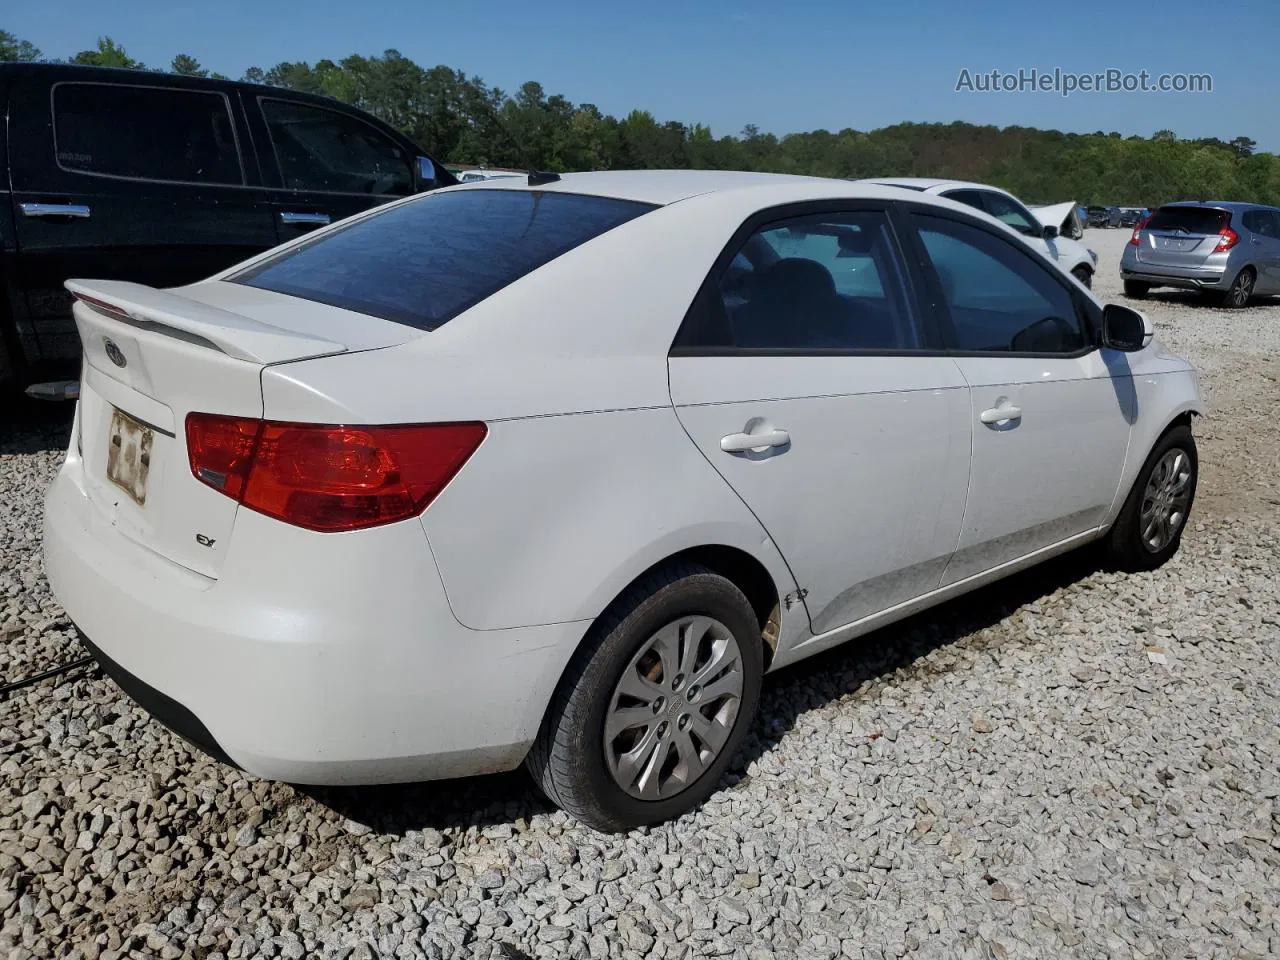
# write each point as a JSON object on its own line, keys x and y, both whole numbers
{"x": 1189, "y": 219}
{"x": 424, "y": 262}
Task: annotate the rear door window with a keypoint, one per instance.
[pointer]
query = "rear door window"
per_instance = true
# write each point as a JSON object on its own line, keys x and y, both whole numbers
{"x": 145, "y": 133}
{"x": 324, "y": 150}
{"x": 423, "y": 262}
{"x": 1201, "y": 220}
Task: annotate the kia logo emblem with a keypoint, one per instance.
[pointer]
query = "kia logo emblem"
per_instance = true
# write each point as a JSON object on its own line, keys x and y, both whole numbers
{"x": 114, "y": 353}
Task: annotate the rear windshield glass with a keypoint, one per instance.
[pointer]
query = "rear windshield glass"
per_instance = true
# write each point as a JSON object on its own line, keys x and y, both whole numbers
{"x": 1189, "y": 219}
{"x": 426, "y": 261}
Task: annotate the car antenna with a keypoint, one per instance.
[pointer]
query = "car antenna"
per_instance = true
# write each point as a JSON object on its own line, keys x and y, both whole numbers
{"x": 537, "y": 178}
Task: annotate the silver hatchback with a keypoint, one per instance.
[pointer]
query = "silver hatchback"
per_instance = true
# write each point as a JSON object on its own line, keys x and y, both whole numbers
{"x": 1228, "y": 249}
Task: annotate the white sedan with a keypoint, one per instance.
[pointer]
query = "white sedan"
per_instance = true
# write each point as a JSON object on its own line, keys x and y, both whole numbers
{"x": 553, "y": 471}
{"x": 1069, "y": 253}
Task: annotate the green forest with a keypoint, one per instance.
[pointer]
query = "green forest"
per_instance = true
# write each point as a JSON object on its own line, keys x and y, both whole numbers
{"x": 464, "y": 121}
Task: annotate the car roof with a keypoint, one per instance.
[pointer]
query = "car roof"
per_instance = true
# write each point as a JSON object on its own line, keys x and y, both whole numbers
{"x": 928, "y": 183}
{"x": 1219, "y": 204}
{"x": 662, "y": 187}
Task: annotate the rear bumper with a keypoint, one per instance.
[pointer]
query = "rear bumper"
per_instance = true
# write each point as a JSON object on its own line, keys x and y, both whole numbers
{"x": 1213, "y": 277}
{"x": 314, "y": 658}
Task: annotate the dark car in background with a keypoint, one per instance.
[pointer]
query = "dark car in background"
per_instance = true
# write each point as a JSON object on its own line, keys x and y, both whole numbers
{"x": 1103, "y": 216}
{"x": 1129, "y": 216}
{"x": 165, "y": 180}
{"x": 1230, "y": 250}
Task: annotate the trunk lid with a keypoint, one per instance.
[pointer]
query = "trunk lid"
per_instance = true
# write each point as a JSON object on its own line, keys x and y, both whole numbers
{"x": 1181, "y": 236}
{"x": 153, "y": 356}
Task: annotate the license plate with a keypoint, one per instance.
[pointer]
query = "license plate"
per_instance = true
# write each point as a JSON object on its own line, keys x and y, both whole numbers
{"x": 1172, "y": 243}
{"x": 129, "y": 455}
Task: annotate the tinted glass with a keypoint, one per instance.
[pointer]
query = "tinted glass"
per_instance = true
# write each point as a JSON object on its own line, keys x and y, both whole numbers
{"x": 999, "y": 298}
{"x": 827, "y": 282}
{"x": 145, "y": 133}
{"x": 428, "y": 260}
{"x": 319, "y": 149}
{"x": 1261, "y": 222}
{"x": 970, "y": 198}
{"x": 1203, "y": 220}
{"x": 1011, "y": 212}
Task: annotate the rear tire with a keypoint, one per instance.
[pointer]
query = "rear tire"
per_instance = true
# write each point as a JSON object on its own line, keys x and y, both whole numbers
{"x": 1149, "y": 529}
{"x": 654, "y": 764}
{"x": 1084, "y": 275}
{"x": 1136, "y": 289}
{"x": 1241, "y": 289}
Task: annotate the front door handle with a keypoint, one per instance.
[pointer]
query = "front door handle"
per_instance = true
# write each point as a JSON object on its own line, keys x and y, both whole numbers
{"x": 77, "y": 210}
{"x": 742, "y": 442}
{"x": 1000, "y": 414}
{"x": 308, "y": 219}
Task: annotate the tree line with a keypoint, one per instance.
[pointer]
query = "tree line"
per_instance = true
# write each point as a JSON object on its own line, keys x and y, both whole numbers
{"x": 464, "y": 121}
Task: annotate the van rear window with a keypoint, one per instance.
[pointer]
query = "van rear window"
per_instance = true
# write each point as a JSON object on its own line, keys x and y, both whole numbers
{"x": 424, "y": 262}
{"x": 1205, "y": 220}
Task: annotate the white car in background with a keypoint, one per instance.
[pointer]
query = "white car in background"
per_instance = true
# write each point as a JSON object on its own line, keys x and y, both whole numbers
{"x": 553, "y": 471}
{"x": 477, "y": 176}
{"x": 1072, "y": 255}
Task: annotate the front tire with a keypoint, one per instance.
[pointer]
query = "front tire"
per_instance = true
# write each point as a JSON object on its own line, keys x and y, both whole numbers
{"x": 1149, "y": 529}
{"x": 655, "y": 703}
{"x": 1084, "y": 275}
{"x": 1136, "y": 289}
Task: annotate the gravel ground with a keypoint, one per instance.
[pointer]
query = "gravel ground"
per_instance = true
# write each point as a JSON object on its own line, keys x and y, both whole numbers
{"x": 1012, "y": 775}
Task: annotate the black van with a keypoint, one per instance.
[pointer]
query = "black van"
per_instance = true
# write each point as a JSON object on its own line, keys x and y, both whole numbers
{"x": 165, "y": 180}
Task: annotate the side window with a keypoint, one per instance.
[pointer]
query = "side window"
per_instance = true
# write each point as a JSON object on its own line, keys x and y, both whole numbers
{"x": 1273, "y": 218}
{"x": 1009, "y": 211}
{"x": 999, "y": 298}
{"x": 970, "y": 198}
{"x": 824, "y": 282}
{"x": 1254, "y": 221}
{"x": 325, "y": 150}
{"x": 145, "y": 133}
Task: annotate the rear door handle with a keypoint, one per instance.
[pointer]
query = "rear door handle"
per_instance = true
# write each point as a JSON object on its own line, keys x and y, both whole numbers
{"x": 78, "y": 210}
{"x": 314, "y": 219}
{"x": 1000, "y": 414}
{"x": 742, "y": 442}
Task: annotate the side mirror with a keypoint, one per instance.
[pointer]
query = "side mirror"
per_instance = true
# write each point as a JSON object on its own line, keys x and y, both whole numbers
{"x": 1125, "y": 329}
{"x": 426, "y": 174}
{"x": 1050, "y": 232}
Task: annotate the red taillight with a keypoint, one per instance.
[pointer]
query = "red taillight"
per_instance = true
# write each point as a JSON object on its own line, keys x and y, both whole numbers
{"x": 1227, "y": 238}
{"x": 1136, "y": 239}
{"x": 329, "y": 478}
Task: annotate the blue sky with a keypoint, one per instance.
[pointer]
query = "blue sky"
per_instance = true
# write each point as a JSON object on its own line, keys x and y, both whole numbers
{"x": 782, "y": 66}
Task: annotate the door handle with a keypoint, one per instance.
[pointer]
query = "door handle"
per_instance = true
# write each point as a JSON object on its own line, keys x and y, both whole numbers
{"x": 742, "y": 442}
{"x": 78, "y": 210}
{"x": 316, "y": 219}
{"x": 1000, "y": 414}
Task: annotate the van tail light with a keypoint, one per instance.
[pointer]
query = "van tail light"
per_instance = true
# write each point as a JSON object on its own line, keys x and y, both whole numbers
{"x": 1227, "y": 238}
{"x": 328, "y": 478}
{"x": 1136, "y": 239}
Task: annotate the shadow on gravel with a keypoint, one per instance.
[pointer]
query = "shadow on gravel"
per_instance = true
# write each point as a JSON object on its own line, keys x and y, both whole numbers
{"x": 33, "y": 426}
{"x": 1193, "y": 298}
{"x": 510, "y": 797}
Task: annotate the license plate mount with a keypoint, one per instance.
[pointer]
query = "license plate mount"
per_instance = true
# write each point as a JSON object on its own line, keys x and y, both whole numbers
{"x": 129, "y": 445}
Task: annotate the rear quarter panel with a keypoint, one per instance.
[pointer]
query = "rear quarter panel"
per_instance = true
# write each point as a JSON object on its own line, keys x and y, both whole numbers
{"x": 554, "y": 516}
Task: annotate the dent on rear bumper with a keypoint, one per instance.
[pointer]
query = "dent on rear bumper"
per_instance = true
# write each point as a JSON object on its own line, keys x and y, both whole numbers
{"x": 315, "y": 658}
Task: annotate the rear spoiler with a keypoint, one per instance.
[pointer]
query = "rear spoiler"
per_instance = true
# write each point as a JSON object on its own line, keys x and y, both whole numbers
{"x": 235, "y": 335}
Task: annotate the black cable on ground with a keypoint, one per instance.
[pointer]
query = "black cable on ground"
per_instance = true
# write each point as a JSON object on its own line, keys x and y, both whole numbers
{"x": 35, "y": 678}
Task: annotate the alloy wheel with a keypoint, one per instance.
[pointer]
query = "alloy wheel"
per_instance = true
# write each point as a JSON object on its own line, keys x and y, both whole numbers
{"x": 1166, "y": 500}
{"x": 674, "y": 708}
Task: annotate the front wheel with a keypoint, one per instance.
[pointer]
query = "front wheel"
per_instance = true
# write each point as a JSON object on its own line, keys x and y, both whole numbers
{"x": 653, "y": 706}
{"x": 1084, "y": 275}
{"x": 1149, "y": 528}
